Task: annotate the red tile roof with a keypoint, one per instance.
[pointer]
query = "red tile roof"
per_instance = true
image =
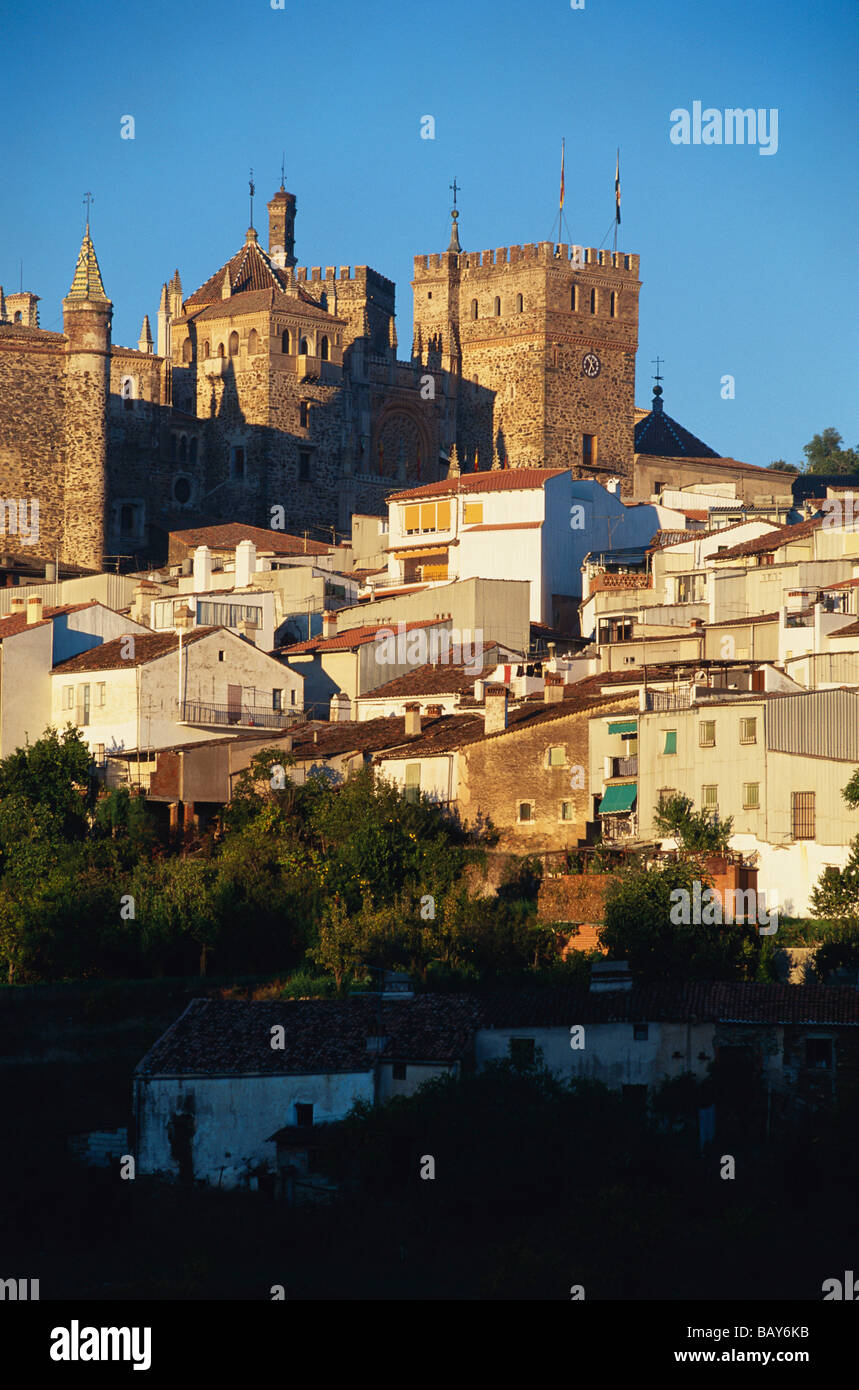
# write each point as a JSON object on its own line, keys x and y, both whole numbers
{"x": 252, "y": 301}
{"x": 812, "y": 1005}
{"x": 354, "y": 637}
{"x": 764, "y": 545}
{"x": 851, "y": 630}
{"x": 147, "y": 647}
{"x": 433, "y": 679}
{"x": 227, "y": 536}
{"x": 742, "y": 622}
{"x": 493, "y": 480}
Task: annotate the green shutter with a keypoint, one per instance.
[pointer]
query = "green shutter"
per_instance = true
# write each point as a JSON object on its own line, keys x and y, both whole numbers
{"x": 620, "y": 797}
{"x": 670, "y": 741}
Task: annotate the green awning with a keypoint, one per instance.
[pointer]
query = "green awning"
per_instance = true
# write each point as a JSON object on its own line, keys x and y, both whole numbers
{"x": 619, "y": 798}
{"x": 626, "y": 726}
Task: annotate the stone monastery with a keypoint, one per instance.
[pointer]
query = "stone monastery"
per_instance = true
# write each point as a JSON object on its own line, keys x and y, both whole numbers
{"x": 274, "y": 393}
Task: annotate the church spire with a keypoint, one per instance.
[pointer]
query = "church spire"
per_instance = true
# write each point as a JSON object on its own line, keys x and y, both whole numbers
{"x": 454, "y": 245}
{"x": 87, "y": 282}
{"x": 144, "y": 342}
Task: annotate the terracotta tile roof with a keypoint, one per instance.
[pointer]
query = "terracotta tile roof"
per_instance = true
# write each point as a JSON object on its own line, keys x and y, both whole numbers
{"x": 350, "y": 736}
{"x": 696, "y": 514}
{"x": 249, "y": 269}
{"x": 252, "y": 301}
{"x": 492, "y": 480}
{"x": 219, "y": 1037}
{"x": 842, "y": 584}
{"x": 354, "y": 637}
{"x": 506, "y": 526}
{"x": 782, "y": 535}
{"x": 743, "y": 622}
{"x": 433, "y": 679}
{"x": 147, "y": 647}
{"x": 227, "y": 535}
{"x": 457, "y": 731}
{"x": 813, "y": 1005}
{"x": 10, "y": 331}
{"x": 851, "y": 630}
{"x": 14, "y": 623}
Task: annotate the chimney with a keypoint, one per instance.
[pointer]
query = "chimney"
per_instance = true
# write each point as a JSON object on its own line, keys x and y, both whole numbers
{"x": 18, "y": 605}
{"x": 495, "y": 701}
{"x": 329, "y": 624}
{"x": 34, "y": 609}
{"x": 478, "y": 689}
{"x": 246, "y": 563}
{"x": 413, "y": 720}
{"x": 202, "y": 569}
{"x": 553, "y": 690}
{"x": 435, "y": 711}
{"x": 338, "y": 709}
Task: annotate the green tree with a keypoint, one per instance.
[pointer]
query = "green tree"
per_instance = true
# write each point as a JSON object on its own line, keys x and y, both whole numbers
{"x": 695, "y": 831}
{"x": 824, "y": 454}
{"x": 784, "y": 467}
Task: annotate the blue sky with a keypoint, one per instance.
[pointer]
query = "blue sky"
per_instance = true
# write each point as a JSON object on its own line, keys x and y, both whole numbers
{"x": 748, "y": 261}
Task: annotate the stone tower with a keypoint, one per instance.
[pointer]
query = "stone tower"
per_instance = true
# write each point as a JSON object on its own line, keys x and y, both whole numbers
{"x": 541, "y": 340}
{"x": 87, "y": 313}
{"x": 281, "y": 229}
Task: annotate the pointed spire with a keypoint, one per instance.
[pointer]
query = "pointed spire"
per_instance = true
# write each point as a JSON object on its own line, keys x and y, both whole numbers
{"x": 453, "y": 469}
{"x": 392, "y": 334}
{"x": 176, "y": 283}
{"x": 454, "y": 245}
{"x": 144, "y": 342}
{"x": 226, "y": 287}
{"x": 3, "y": 318}
{"x": 162, "y": 303}
{"x": 87, "y": 282}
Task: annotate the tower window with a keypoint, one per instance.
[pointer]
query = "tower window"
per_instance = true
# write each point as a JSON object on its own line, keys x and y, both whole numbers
{"x": 593, "y": 301}
{"x": 323, "y": 301}
{"x": 323, "y": 348}
{"x": 574, "y": 297}
{"x": 497, "y": 306}
{"x": 18, "y": 318}
{"x": 474, "y": 308}
{"x": 589, "y": 450}
{"x": 206, "y": 348}
{"x": 187, "y": 350}
{"x": 284, "y": 340}
{"x": 253, "y": 341}
{"x": 303, "y": 413}
{"x": 234, "y": 344}
{"x": 520, "y": 304}
{"x": 303, "y": 349}
{"x": 626, "y": 263}
{"x": 220, "y": 349}
{"x": 614, "y": 304}
{"x": 237, "y": 463}
{"x": 304, "y": 467}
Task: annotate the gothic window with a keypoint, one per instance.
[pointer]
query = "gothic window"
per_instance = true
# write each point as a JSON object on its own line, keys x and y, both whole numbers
{"x": 284, "y": 340}
{"x": 220, "y": 349}
{"x": 234, "y": 344}
{"x": 520, "y": 304}
{"x": 574, "y": 297}
{"x": 303, "y": 349}
{"x": 206, "y": 348}
{"x": 593, "y": 301}
{"x": 186, "y": 350}
{"x": 497, "y": 306}
{"x": 323, "y": 348}
{"x": 253, "y": 341}
{"x": 614, "y": 304}
{"x": 474, "y": 308}
{"x": 18, "y": 318}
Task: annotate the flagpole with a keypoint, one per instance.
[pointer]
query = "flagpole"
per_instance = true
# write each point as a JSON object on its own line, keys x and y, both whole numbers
{"x": 616, "y": 199}
{"x": 561, "y": 200}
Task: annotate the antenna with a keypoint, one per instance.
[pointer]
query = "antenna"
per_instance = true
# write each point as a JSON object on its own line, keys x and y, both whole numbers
{"x": 283, "y": 169}
{"x": 88, "y": 199}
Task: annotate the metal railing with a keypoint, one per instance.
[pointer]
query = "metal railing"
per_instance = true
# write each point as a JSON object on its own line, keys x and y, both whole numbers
{"x": 668, "y": 699}
{"x": 624, "y": 767}
{"x": 234, "y": 716}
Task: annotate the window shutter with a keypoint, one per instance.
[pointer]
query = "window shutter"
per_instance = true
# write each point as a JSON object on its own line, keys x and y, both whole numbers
{"x": 428, "y": 516}
{"x": 444, "y": 516}
{"x": 411, "y": 520}
{"x": 473, "y": 514}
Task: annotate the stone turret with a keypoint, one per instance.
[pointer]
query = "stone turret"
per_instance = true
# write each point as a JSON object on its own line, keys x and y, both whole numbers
{"x": 87, "y": 314}
{"x": 281, "y": 229}
{"x": 144, "y": 342}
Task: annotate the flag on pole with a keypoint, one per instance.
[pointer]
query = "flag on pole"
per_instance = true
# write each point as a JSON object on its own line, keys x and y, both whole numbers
{"x": 562, "y": 177}
{"x": 617, "y": 190}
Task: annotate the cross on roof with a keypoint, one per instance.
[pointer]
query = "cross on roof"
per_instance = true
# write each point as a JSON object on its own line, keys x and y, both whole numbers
{"x": 88, "y": 199}
{"x": 454, "y": 187}
{"x": 657, "y": 361}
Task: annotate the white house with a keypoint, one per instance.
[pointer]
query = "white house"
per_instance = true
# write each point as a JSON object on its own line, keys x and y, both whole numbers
{"x": 526, "y": 523}
{"x": 145, "y": 691}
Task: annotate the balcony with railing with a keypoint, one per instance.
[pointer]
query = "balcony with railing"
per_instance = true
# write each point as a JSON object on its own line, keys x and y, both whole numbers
{"x": 608, "y": 580}
{"x": 668, "y": 699}
{"x": 205, "y": 715}
{"x": 623, "y": 767}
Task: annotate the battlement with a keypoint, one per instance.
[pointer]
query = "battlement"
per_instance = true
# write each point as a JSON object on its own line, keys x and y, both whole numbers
{"x": 359, "y": 274}
{"x": 543, "y": 252}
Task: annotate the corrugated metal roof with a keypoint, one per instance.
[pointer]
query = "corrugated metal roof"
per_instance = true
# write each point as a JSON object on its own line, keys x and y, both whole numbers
{"x": 817, "y": 724}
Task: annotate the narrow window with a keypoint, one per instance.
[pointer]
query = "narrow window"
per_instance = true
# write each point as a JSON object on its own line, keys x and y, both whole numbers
{"x": 474, "y": 308}
{"x": 304, "y": 467}
{"x": 412, "y": 789}
{"x": 520, "y": 304}
{"x": 303, "y": 349}
{"x": 802, "y": 815}
{"x": 751, "y": 796}
{"x": 234, "y": 344}
{"x": 302, "y": 414}
{"x": 614, "y": 304}
{"x": 237, "y": 463}
{"x": 574, "y": 297}
{"x": 253, "y": 341}
{"x": 670, "y": 741}
{"x": 220, "y": 349}
{"x": 277, "y": 700}
{"x": 284, "y": 340}
{"x": 207, "y": 347}
{"x": 497, "y": 306}
{"x": 323, "y": 301}
{"x": 187, "y": 352}
{"x": 323, "y": 348}
{"x": 593, "y": 301}
{"x": 589, "y": 450}
{"x": 525, "y": 809}
{"x": 566, "y": 810}
{"x": 710, "y": 798}
{"x": 183, "y": 449}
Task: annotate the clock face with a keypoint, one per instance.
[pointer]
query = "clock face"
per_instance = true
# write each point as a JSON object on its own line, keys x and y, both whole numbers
{"x": 591, "y": 364}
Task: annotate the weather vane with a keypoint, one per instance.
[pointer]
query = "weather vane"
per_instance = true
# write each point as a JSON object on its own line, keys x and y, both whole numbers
{"x": 657, "y": 361}
{"x": 283, "y": 169}
{"x": 253, "y": 191}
